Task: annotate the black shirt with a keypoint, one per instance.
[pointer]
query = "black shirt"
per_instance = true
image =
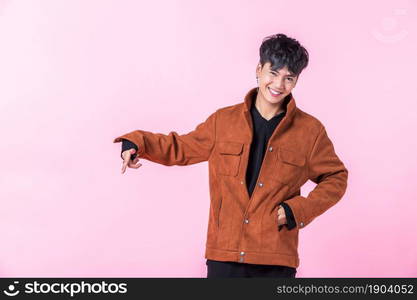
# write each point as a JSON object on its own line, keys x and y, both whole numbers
{"x": 262, "y": 131}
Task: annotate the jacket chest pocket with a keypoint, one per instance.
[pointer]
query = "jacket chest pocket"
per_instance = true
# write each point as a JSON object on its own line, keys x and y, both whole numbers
{"x": 291, "y": 166}
{"x": 228, "y": 158}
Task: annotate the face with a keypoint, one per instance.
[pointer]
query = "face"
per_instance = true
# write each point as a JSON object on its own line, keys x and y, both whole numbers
{"x": 274, "y": 86}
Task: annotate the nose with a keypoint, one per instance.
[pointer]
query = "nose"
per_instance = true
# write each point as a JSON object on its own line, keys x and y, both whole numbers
{"x": 279, "y": 85}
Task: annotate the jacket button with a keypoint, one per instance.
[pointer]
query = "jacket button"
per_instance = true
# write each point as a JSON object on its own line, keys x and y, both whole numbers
{"x": 246, "y": 221}
{"x": 241, "y": 182}
{"x": 242, "y": 253}
{"x": 261, "y": 184}
{"x": 270, "y": 149}
{"x": 301, "y": 224}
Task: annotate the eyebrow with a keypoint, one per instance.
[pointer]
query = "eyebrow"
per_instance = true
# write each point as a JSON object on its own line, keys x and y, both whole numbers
{"x": 290, "y": 75}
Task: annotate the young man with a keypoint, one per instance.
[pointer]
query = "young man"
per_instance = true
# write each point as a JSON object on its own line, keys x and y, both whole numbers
{"x": 260, "y": 153}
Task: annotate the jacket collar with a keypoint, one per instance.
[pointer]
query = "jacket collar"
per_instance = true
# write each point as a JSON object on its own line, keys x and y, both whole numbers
{"x": 289, "y": 103}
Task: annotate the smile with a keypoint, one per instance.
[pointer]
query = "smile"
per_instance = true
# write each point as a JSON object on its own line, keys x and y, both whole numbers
{"x": 274, "y": 93}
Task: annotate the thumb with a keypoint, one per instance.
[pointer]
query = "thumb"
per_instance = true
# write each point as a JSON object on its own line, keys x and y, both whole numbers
{"x": 132, "y": 151}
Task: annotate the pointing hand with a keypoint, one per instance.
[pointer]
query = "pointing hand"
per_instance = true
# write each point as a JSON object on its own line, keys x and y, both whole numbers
{"x": 127, "y": 162}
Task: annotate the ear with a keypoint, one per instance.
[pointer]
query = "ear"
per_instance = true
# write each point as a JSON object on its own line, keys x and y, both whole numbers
{"x": 258, "y": 70}
{"x": 296, "y": 80}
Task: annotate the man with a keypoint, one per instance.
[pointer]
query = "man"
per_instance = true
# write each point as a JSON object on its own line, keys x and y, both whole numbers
{"x": 260, "y": 152}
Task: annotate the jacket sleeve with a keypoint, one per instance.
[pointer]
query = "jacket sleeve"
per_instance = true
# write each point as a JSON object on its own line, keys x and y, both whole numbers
{"x": 174, "y": 149}
{"x": 329, "y": 173}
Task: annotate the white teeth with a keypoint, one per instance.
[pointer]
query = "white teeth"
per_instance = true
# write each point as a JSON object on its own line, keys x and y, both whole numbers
{"x": 273, "y": 92}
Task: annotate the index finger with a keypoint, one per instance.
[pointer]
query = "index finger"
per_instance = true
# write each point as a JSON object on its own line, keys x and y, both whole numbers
{"x": 126, "y": 159}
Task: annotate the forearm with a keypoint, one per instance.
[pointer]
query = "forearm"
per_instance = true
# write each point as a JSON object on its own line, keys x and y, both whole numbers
{"x": 326, "y": 194}
{"x": 173, "y": 148}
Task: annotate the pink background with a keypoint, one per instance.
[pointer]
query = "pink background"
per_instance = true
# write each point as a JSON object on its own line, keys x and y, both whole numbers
{"x": 76, "y": 74}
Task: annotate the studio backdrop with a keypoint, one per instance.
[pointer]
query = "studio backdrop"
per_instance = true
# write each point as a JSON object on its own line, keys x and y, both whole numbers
{"x": 76, "y": 74}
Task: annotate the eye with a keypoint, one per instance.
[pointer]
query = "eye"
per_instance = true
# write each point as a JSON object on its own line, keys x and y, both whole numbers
{"x": 272, "y": 73}
{"x": 290, "y": 79}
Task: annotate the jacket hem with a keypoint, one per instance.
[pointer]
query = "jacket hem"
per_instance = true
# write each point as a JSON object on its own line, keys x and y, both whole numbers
{"x": 251, "y": 257}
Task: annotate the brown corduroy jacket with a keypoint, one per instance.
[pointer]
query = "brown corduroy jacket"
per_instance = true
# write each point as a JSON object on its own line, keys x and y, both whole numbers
{"x": 242, "y": 228}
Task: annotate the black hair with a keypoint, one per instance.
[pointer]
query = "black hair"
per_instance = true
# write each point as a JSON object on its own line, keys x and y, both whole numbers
{"x": 280, "y": 50}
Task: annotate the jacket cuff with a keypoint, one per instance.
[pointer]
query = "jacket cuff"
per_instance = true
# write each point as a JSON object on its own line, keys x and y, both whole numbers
{"x": 135, "y": 139}
{"x": 298, "y": 211}
{"x": 126, "y": 145}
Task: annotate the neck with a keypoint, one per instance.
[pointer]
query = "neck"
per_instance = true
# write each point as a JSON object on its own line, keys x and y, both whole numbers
{"x": 266, "y": 109}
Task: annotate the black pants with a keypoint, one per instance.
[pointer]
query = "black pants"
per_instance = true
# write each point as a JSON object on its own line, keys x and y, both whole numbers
{"x": 233, "y": 269}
